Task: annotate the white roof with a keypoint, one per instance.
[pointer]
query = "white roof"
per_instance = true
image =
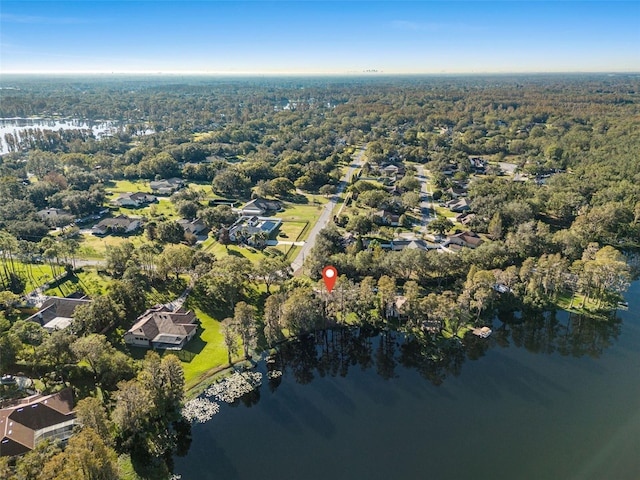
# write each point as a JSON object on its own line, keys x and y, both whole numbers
{"x": 58, "y": 323}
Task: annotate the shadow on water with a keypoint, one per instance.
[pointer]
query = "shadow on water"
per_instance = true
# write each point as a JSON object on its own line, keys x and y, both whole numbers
{"x": 334, "y": 354}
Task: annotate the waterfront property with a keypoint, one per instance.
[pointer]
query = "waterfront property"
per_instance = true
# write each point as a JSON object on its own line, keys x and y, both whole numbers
{"x": 36, "y": 419}
{"x": 160, "y": 327}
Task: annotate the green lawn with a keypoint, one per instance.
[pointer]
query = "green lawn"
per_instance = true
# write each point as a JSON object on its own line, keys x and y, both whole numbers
{"x": 301, "y": 212}
{"x": 205, "y": 352}
{"x": 292, "y": 231}
{"x": 124, "y": 186}
{"x": 164, "y": 207}
{"x": 88, "y": 280}
{"x": 219, "y": 250}
{"x": 92, "y": 246}
{"x": 204, "y": 187}
{"x": 35, "y": 274}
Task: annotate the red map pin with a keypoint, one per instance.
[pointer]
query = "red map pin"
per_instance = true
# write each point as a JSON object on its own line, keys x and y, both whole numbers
{"x": 330, "y": 275}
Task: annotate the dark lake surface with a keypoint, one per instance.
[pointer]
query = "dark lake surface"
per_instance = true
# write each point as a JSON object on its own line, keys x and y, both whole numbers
{"x": 548, "y": 397}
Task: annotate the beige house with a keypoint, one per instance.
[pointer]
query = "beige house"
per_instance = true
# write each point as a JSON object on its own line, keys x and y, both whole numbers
{"x": 161, "y": 328}
{"x": 119, "y": 224}
{"x": 134, "y": 200}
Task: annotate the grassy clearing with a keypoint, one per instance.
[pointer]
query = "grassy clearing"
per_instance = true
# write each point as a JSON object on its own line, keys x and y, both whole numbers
{"x": 291, "y": 231}
{"x": 204, "y": 187}
{"x": 123, "y": 186}
{"x": 95, "y": 247}
{"x": 219, "y": 250}
{"x": 35, "y": 274}
{"x": 163, "y": 208}
{"x": 87, "y": 280}
{"x": 301, "y": 213}
{"x": 577, "y": 304}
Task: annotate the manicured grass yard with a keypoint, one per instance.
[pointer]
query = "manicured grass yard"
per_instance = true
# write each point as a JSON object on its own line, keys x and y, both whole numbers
{"x": 164, "y": 207}
{"x": 35, "y": 274}
{"x": 301, "y": 213}
{"x": 219, "y": 250}
{"x": 88, "y": 280}
{"x": 205, "y": 352}
{"x": 124, "y": 186}
{"x": 292, "y": 231}
{"x": 92, "y": 246}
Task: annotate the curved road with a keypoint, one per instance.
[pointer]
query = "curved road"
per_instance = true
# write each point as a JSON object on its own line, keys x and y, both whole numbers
{"x": 325, "y": 216}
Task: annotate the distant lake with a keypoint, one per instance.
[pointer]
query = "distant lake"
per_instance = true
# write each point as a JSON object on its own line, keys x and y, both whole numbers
{"x": 18, "y": 125}
{"x": 549, "y": 396}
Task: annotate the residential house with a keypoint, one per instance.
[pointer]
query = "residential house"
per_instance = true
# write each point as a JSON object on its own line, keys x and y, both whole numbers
{"x": 395, "y": 309}
{"x": 119, "y": 224}
{"x": 385, "y": 217}
{"x": 464, "y": 239}
{"x": 465, "y": 218}
{"x": 253, "y": 230}
{"x": 260, "y": 206}
{"x": 458, "y": 205}
{"x": 55, "y": 216}
{"x": 478, "y": 165}
{"x": 134, "y": 200}
{"x": 36, "y": 419}
{"x": 415, "y": 244}
{"x": 394, "y": 190}
{"x": 56, "y": 313}
{"x": 166, "y": 187}
{"x": 390, "y": 170}
{"x": 222, "y": 201}
{"x": 161, "y": 328}
{"x": 456, "y": 192}
{"x": 195, "y": 227}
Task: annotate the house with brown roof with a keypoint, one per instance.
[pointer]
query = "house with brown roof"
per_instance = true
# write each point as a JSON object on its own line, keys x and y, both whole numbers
{"x": 162, "y": 328}
{"x": 35, "y": 419}
{"x": 464, "y": 239}
{"x": 56, "y": 313}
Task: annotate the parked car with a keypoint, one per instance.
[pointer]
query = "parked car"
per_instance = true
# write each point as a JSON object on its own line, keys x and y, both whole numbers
{"x": 8, "y": 380}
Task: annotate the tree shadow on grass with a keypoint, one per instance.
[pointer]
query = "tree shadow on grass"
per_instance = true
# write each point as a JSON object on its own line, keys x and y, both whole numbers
{"x": 297, "y": 198}
{"x": 193, "y": 348}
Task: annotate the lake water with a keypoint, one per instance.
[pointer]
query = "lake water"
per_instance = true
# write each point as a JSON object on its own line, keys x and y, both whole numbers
{"x": 550, "y": 397}
{"x": 18, "y": 125}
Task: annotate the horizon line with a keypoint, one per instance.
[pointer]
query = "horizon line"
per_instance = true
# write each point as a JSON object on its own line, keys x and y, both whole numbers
{"x": 320, "y": 73}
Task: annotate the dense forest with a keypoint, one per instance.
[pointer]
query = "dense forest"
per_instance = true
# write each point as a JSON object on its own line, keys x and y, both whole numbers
{"x": 562, "y": 230}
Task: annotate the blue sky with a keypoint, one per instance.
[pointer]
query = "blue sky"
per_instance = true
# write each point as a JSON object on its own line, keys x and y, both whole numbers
{"x": 319, "y": 37}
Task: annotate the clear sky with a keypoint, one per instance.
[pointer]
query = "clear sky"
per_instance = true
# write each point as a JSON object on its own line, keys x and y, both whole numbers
{"x": 319, "y": 37}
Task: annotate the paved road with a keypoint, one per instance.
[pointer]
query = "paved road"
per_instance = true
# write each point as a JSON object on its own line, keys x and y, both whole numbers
{"x": 325, "y": 216}
{"x": 426, "y": 206}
